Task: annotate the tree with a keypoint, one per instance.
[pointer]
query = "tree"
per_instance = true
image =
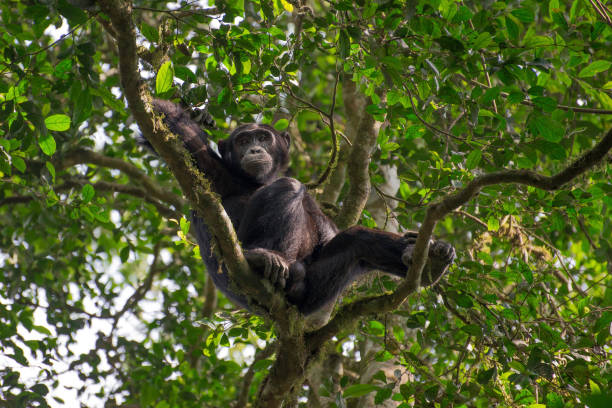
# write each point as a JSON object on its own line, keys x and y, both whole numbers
{"x": 486, "y": 122}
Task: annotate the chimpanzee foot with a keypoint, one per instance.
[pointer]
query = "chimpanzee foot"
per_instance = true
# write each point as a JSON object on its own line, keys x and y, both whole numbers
{"x": 272, "y": 265}
{"x": 441, "y": 255}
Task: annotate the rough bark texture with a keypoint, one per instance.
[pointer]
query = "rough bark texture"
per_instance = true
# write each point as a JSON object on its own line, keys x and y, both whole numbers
{"x": 193, "y": 184}
{"x": 358, "y": 172}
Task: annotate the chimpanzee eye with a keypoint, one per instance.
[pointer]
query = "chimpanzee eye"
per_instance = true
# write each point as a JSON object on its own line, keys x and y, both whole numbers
{"x": 263, "y": 137}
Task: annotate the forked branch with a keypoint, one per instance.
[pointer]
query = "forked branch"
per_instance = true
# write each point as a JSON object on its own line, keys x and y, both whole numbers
{"x": 350, "y": 314}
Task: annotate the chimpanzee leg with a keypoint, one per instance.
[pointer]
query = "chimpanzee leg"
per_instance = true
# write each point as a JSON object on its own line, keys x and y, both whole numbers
{"x": 354, "y": 252}
{"x": 347, "y": 256}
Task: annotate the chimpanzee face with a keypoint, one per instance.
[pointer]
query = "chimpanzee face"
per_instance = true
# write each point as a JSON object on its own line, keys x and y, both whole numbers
{"x": 253, "y": 150}
{"x": 258, "y": 150}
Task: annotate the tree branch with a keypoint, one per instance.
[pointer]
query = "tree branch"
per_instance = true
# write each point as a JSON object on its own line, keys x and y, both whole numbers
{"x": 195, "y": 186}
{"x": 83, "y": 156}
{"x": 353, "y": 110}
{"x": 358, "y": 170}
{"x": 350, "y": 314}
{"x": 135, "y": 191}
{"x": 576, "y": 109}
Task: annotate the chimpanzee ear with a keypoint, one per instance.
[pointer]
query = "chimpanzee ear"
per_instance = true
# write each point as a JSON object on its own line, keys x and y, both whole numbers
{"x": 286, "y": 138}
{"x": 225, "y": 149}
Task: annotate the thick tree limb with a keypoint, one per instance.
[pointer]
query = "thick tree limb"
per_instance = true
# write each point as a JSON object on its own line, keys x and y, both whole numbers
{"x": 350, "y": 314}
{"x": 358, "y": 171}
{"x": 354, "y": 107}
{"x": 194, "y": 185}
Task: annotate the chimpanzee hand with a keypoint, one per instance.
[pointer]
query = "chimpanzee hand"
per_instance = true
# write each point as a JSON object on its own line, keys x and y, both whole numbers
{"x": 441, "y": 255}
{"x": 273, "y": 266}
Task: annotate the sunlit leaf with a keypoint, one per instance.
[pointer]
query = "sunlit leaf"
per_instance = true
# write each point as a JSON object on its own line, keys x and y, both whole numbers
{"x": 165, "y": 77}
{"x": 57, "y": 122}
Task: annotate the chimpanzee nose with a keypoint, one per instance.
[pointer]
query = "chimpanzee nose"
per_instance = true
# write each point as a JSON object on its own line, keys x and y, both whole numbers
{"x": 255, "y": 150}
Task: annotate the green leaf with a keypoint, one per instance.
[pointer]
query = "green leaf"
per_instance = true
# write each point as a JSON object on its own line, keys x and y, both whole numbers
{"x": 473, "y": 329}
{"x": 512, "y": 28}
{"x": 493, "y": 223}
{"x": 516, "y": 97}
{"x": 149, "y": 32}
{"x": 369, "y": 9}
{"x": 450, "y": 43}
{"x": 547, "y": 104}
{"x": 526, "y": 272}
{"x": 545, "y": 127}
{"x": 74, "y": 14}
{"x": 358, "y": 390}
{"x": 281, "y": 124}
{"x": 184, "y": 225}
{"x": 262, "y": 364}
{"x": 490, "y": 95}
{"x": 18, "y": 163}
{"x": 40, "y": 389}
{"x": 485, "y": 376}
{"x": 595, "y": 68}
{"x": 473, "y": 159}
{"x": 292, "y": 67}
{"x": 344, "y": 44}
{"x": 553, "y": 150}
{"x": 58, "y": 122}
{"x": 382, "y": 395}
{"x": 165, "y": 77}
{"x": 51, "y": 169}
{"x": 87, "y": 193}
{"x": 47, "y": 144}
{"x": 554, "y": 400}
{"x": 464, "y": 300}
{"x": 524, "y": 15}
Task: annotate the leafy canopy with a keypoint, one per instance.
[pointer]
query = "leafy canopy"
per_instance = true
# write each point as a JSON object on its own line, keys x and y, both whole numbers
{"x": 103, "y": 295}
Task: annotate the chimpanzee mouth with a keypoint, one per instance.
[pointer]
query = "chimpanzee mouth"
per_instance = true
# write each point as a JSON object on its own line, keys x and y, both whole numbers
{"x": 257, "y": 165}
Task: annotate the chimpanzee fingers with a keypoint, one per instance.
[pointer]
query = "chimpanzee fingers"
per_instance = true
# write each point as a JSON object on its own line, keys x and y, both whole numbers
{"x": 442, "y": 251}
{"x": 410, "y": 237}
{"x": 411, "y": 234}
{"x": 273, "y": 274}
{"x": 283, "y": 275}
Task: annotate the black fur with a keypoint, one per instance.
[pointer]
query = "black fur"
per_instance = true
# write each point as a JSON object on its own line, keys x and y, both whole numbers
{"x": 285, "y": 235}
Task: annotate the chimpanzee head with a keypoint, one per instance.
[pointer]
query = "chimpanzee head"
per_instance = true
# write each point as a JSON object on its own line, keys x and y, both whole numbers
{"x": 258, "y": 151}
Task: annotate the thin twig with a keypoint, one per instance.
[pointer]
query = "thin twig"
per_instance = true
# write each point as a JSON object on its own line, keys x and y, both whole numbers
{"x": 576, "y": 109}
{"x": 333, "y": 159}
{"x": 427, "y": 124}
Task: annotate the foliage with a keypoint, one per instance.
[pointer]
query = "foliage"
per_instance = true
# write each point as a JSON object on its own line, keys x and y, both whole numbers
{"x": 103, "y": 293}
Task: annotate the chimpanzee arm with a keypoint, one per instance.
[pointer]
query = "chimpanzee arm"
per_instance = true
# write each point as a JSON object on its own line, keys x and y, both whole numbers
{"x": 196, "y": 141}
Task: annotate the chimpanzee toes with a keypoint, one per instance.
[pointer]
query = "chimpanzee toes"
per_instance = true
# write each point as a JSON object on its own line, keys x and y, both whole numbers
{"x": 442, "y": 251}
{"x": 407, "y": 255}
{"x": 441, "y": 255}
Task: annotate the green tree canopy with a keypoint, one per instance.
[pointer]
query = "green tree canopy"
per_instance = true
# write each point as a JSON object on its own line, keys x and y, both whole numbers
{"x": 486, "y": 123}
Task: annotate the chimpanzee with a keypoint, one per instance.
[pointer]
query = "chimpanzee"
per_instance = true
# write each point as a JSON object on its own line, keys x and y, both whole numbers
{"x": 284, "y": 234}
